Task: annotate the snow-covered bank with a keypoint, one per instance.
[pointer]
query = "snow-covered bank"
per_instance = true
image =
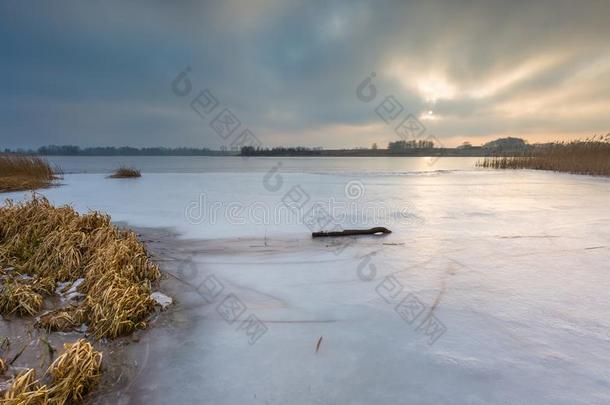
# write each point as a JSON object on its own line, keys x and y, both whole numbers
{"x": 513, "y": 264}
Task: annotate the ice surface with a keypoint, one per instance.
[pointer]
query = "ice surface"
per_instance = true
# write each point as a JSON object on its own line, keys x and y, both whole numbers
{"x": 513, "y": 263}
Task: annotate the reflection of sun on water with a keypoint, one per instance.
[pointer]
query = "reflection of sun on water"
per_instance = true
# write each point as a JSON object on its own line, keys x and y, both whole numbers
{"x": 430, "y": 161}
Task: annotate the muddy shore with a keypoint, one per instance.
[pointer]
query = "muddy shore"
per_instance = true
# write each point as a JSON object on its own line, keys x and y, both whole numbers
{"x": 26, "y": 346}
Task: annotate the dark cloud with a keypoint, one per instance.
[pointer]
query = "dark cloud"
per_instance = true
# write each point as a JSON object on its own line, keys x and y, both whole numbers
{"x": 100, "y": 73}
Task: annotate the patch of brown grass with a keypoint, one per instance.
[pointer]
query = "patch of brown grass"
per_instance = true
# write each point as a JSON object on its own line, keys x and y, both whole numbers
{"x": 54, "y": 244}
{"x": 70, "y": 377}
{"x": 26, "y": 389}
{"x": 591, "y": 156}
{"x": 18, "y": 172}
{"x": 19, "y": 298}
{"x": 124, "y": 172}
{"x": 44, "y": 285}
{"x": 116, "y": 306}
{"x": 75, "y": 372}
{"x": 63, "y": 319}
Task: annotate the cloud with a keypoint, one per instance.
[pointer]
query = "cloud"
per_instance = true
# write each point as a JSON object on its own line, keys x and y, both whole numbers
{"x": 100, "y": 73}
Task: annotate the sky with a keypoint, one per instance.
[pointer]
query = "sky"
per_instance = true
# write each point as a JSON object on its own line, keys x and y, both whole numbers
{"x": 293, "y": 72}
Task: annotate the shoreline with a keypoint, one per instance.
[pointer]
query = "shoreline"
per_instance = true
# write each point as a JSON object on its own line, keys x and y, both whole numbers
{"x": 29, "y": 346}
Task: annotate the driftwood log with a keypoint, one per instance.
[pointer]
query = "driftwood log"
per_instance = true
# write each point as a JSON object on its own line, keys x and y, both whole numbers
{"x": 350, "y": 232}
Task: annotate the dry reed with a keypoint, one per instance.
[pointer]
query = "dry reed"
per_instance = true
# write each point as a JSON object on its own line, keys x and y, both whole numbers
{"x": 19, "y": 298}
{"x": 71, "y": 376}
{"x": 55, "y": 244}
{"x": 63, "y": 319}
{"x": 591, "y": 156}
{"x": 124, "y": 172}
{"x": 18, "y": 172}
{"x": 26, "y": 389}
{"x": 75, "y": 372}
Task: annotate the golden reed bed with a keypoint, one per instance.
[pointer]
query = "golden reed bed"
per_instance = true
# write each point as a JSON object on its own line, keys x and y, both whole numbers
{"x": 591, "y": 157}
{"x": 56, "y": 244}
{"x": 69, "y": 378}
{"x": 19, "y": 172}
{"x": 41, "y": 246}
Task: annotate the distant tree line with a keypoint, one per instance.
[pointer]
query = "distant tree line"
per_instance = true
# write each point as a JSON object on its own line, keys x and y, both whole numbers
{"x": 502, "y": 146}
{"x": 423, "y": 147}
{"x": 71, "y": 150}
{"x": 393, "y": 148}
{"x": 510, "y": 144}
{"x": 400, "y": 146}
{"x": 281, "y": 151}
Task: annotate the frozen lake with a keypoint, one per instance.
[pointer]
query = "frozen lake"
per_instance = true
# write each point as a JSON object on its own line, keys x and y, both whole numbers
{"x": 492, "y": 287}
{"x": 223, "y": 164}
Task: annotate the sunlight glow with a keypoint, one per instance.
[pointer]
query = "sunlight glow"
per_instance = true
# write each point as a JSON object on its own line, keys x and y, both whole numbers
{"x": 435, "y": 87}
{"x": 431, "y": 87}
{"x": 504, "y": 80}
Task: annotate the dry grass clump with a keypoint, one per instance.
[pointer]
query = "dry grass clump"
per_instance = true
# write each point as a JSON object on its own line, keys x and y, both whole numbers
{"x": 591, "y": 156}
{"x": 26, "y": 389}
{"x": 72, "y": 375}
{"x": 18, "y": 172}
{"x": 43, "y": 285}
{"x": 55, "y": 244}
{"x": 116, "y": 306}
{"x": 63, "y": 319}
{"x": 16, "y": 297}
{"x": 75, "y": 372}
{"x": 124, "y": 172}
